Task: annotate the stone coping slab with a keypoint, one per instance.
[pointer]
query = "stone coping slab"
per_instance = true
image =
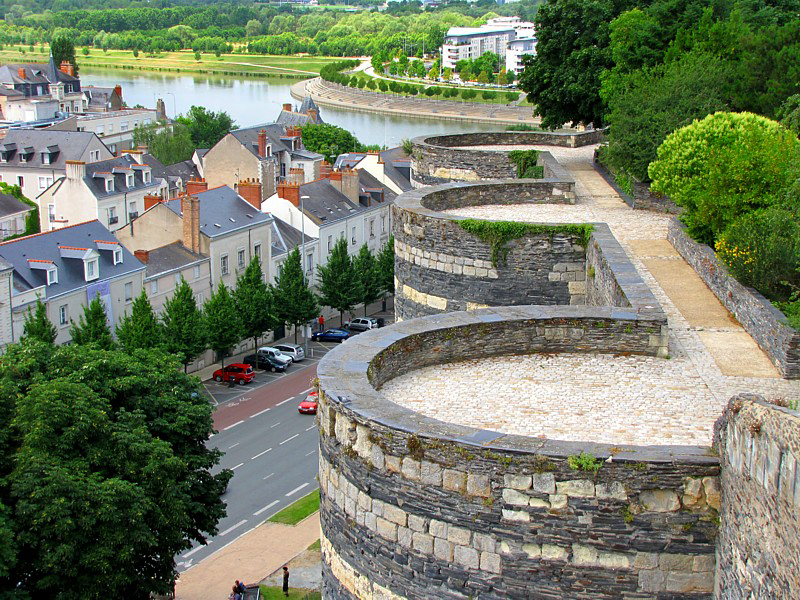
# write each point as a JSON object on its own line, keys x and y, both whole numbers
{"x": 513, "y": 138}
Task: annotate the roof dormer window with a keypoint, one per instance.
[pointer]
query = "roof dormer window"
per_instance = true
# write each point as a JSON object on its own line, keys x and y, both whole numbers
{"x": 109, "y": 184}
{"x": 146, "y": 176}
{"x": 118, "y": 256}
{"x": 52, "y": 276}
{"x": 91, "y": 270}
{"x": 45, "y": 158}
{"x": 129, "y": 180}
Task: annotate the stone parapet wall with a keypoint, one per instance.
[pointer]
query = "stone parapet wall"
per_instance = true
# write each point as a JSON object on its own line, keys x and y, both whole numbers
{"x": 413, "y": 507}
{"x": 759, "y": 540}
{"x": 765, "y": 323}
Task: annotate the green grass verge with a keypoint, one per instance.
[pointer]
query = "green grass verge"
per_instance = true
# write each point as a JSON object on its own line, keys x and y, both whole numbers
{"x": 296, "y": 512}
{"x": 273, "y": 592}
{"x": 315, "y": 546}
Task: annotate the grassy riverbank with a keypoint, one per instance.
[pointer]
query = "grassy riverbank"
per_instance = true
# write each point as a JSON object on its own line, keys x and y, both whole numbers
{"x": 240, "y": 65}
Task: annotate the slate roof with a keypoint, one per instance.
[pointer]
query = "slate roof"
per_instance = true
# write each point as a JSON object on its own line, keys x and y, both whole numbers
{"x": 349, "y": 160}
{"x": 9, "y": 205}
{"x": 286, "y": 238}
{"x": 96, "y": 177}
{"x": 45, "y": 247}
{"x": 325, "y": 203}
{"x": 223, "y": 211}
{"x": 169, "y": 258}
{"x": 35, "y": 73}
{"x": 308, "y": 104}
{"x": 182, "y": 170}
{"x": 368, "y": 182}
{"x": 397, "y": 167}
{"x": 71, "y": 146}
{"x": 249, "y": 137}
{"x": 288, "y": 118}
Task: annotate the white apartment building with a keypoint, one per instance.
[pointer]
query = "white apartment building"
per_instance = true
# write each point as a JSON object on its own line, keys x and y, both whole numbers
{"x": 516, "y": 50}
{"x": 496, "y": 36}
{"x": 116, "y": 128}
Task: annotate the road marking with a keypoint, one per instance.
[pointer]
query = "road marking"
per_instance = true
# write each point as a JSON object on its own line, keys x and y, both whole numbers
{"x": 229, "y": 529}
{"x": 267, "y": 507}
{"x": 261, "y": 412}
{"x": 289, "y": 439}
{"x": 237, "y": 443}
{"x": 285, "y": 401}
{"x": 297, "y": 489}
{"x": 268, "y": 476}
{"x": 237, "y": 466}
{"x": 275, "y": 425}
{"x": 190, "y": 552}
{"x": 310, "y": 453}
{"x": 261, "y": 453}
{"x": 308, "y": 429}
{"x": 232, "y": 426}
{"x": 306, "y": 391}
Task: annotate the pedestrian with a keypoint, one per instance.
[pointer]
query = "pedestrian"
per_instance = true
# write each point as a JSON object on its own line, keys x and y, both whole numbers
{"x": 321, "y": 322}
{"x": 241, "y": 589}
{"x": 235, "y": 594}
{"x": 286, "y": 580}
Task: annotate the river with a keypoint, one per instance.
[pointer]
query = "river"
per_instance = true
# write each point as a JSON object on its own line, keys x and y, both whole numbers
{"x": 252, "y": 101}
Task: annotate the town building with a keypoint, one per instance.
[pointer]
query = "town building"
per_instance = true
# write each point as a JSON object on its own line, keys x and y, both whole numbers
{"x": 496, "y": 36}
{"x": 306, "y": 114}
{"x": 392, "y": 167}
{"x": 66, "y": 269}
{"x": 516, "y": 50}
{"x": 116, "y": 128}
{"x": 13, "y": 215}
{"x": 103, "y": 99}
{"x": 34, "y": 158}
{"x": 38, "y": 91}
{"x": 111, "y": 190}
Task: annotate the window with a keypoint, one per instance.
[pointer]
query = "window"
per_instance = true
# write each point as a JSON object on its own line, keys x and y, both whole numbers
{"x": 110, "y": 128}
{"x": 330, "y": 243}
{"x": 112, "y": 215}
{"x": 146, "y": 176}
{"x": 23, "y": 158}
{"x": 91, "y": 271}
{"x": 372, "y": 228}
{"x": 177, "y": 279}
{"x": 129, "y": 180}
{"x": 117, "y": 256}
{"x": 52, "y": 276}
{"x": 21, "y": 181}
{"x": 146, "y": 122}
{"x": 223, "y": 264}
{"x": 257, "y": 252}
{"x": 199, "y": 298}
{"x": 154, "y": 287}
{"x": 45, "y": 158}
{"x": 128, "y": 292}
{"x": 240, "y": 258}
{"x": 94, "y": 155}
{"x": 132, "y": 212}
{"x": 123, "y": 126}
{"x": 109, "y": 185}
{"x": 383, "y": 223}
{"x": 51, "y": 212}
{"x": 63, "y": 315}
{"x": 310, "y": 264}
{"x": 100, "y": 130}
{"x": 197, "y": 271}
{"x": 353, "y": 241}
{"x": 45, "y": 182}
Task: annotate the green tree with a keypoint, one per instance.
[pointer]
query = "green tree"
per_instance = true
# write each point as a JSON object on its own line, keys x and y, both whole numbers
{"x": 62, "y": 48}
{"x": 483, "y": 77}
{"x": 85, "y": 51}
{"x": 223, "y": 322}
{"x": 253, "y": 28}
{"x": 253, "y": 301}
{"x": 92, "y": 327}
{"x": 135, "y": 53}
{"x": 502, "y": 77}
{"x": 789, "y": 113}
{"x": 184, "y": 333}
{"x": 366, "y": 267}
{"x": 140, "y": 329}
{"x": 339, "y": 284}
{"x": 197, "y": 56}
{"x": 386, "y": 267}
{"x": 724, "y": 166}
{"x": 447, "y": 74}
{"x": 294, "y": 302}
{"x": 170, "y": 145}
{"x": 37, "y": 326}
{"x": 329, "y": 140}
{"x": 206, "y": 127}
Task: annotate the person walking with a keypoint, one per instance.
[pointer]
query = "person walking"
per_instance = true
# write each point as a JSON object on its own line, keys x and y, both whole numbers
{"x": 286, "y": 580}
{"x": 321, "y": 322}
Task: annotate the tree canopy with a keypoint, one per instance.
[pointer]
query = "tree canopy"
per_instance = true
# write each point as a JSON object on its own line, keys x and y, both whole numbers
{"x": 253, "y": 300}
{"x": 140, "y": 329}
{"x": 184, "y": 334}
{"x": 92, "y": 326}
{"x": 170, "y": 145}
{"x": 37, "y": 326}
{"x": 223, "y": 324}
{"x": 329, "y": 140}
{"x": 294, "y": 302}
{"x": 339, "y": 284}
{"x": 206, "y": 127}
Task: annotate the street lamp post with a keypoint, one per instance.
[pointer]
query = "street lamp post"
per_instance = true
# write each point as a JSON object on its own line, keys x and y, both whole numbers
{"x": 174, "y": 106}
{"x": 303, "y": 258}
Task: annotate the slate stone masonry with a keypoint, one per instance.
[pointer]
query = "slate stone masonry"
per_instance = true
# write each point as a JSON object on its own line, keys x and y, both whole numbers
{"x": 413, "y": 507}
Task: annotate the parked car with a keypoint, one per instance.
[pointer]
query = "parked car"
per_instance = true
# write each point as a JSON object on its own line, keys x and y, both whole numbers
{"x": 331, "y": 335}
{"x": 269, "y": 351}
{"x": 362, "y": 324}
{"x": 238, "y": 372}
{"x": 265, "y": 362}
{"x": 309, "y": 405}
{"x": 293, "y": 351}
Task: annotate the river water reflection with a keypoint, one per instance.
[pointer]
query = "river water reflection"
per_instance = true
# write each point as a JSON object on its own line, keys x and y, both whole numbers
{"x": 251, "y": 101}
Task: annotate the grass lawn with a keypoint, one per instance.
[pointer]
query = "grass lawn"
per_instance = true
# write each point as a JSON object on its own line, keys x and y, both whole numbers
{"x": 272, "y": 592}
{"x": 294, "y": 513}
{"x": 315, "y": 546}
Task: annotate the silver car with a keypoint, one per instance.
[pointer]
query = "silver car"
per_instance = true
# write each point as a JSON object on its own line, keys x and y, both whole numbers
{"x": 293, "y": 351}
{"x": 275, "y": 354}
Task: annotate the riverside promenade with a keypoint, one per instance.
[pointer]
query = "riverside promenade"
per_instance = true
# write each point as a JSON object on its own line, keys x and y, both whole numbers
{"x": 333, "y": 95}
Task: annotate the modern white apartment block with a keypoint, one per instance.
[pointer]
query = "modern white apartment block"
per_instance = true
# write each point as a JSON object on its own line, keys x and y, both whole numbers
{"x": 497, "y": 35}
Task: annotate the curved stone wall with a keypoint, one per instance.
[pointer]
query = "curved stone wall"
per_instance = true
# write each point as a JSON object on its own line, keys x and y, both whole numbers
{"x": 470, "y": 156}
{"x": 414, "y": 507}
{"x": 441, "y": 267}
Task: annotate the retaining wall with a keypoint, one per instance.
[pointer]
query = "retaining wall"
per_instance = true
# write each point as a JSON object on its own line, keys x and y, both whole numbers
{"x": 759, "y": 539}
{"x": 413, "y": 507}
{"x": 765, "y": 323}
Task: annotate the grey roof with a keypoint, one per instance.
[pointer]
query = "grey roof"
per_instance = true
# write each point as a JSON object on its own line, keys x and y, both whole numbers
{"x": 222, "y": 211}
{"x": 98, "y": 96}
{"x": 287, "y": 118}
{"x": 368, "y": 181}
{"x": 71, "y": 146}
{"x": 170, "y": 257}
{"x": 286, "y": 238}
{"x": 308, "y": 104}
{"x": 183, "y": 170}
{"x": 35, "y": 73}
{"x": 9, "y": 205}
{"x": 96, "y": 177}
{"x": 45, "y": 247}
{"x": 348, "y": 160}
{"x": 306, "y": 155}
{"x": 325, "y": 203}
{"x": 397, "y": 166}
{"x": 249, "y": 137}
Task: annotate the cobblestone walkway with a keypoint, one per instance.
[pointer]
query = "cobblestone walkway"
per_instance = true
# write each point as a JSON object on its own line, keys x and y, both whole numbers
{"x": 606, "y": 398}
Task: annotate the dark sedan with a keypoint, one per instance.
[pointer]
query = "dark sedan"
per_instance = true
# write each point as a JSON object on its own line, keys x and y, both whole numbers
{"x": 331, "y": 335}
{"x": 261, "y": 361}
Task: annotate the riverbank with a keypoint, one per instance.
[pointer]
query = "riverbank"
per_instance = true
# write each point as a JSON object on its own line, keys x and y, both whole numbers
{"x": 332, "y": 95}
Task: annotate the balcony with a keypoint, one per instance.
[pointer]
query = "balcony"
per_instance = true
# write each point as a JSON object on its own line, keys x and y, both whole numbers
{"x": 113, "y": 220}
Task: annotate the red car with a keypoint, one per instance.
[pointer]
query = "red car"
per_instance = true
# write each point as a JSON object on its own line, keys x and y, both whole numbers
{"x": 309, "y": 405}
{"x": 238, "y": 372}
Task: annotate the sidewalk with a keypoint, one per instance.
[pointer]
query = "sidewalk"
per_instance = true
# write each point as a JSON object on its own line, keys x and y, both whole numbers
{"x": 250, "y": 558}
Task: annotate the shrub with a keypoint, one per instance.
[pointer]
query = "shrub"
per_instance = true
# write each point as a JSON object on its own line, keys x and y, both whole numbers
{"x": 522, "y": 127}
{"x": 526, "y": 164}
{"x": 468, "y": 94}
{"x": 512, "y": 96}
{"x": 762, "y": 250}
{"x": 413, "y": 90}
{"x": 489, "y": 95}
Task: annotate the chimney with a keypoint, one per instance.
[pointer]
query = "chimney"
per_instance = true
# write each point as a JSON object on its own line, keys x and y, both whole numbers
{"x": 118, "y": 91}
{"x": 262, "y": 143}
{"x": 350, "y": 185}
{"x": 161, "y": 110}
{"x": 137, "y": 154}
{"x": 287, "y": 107}
{"x": 312, "y": 112}
{"x": 142, "y": 255}
{"x": 21, "y": 73}
{"x": 190, "y": 207}
{"x": 66, "y": 67}
{"x": 296, "y": 175}
{"x": 195, "y": 186}
{"x": 76, "y": 169}
{"x": 324, "y": 170}
{"x": 250, "y": 190}
{"x": 290, "y": 192}
{"x": 150, "y": 201}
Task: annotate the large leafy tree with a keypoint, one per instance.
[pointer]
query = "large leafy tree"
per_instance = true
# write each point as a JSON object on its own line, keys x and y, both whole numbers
{"x": 386, "y": 267}
{"x": 253, "y": 301}
{"x": 63, "y": 49}
{"x": 339, "y": 284}
{"x": 366, "y": 267}
{"x": 206, "y": 127}
{"x": 329, "y": 140}
{"x": 92, "y": 326}
{"x": 37, "y": 326}
{"x": 140, "y": 329}
{"x": 184, "y": 333}
{"x": 168, "y": 144}
{"x": 104, "y": 489}
{"x": 223, "y": 322}
{"x": 294, "y": 302}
